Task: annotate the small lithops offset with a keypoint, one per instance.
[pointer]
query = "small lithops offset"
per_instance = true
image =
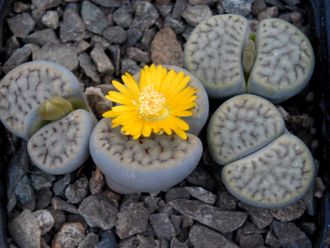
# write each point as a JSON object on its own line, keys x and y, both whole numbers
{"x": 264, "y": 165}
{"x": 24, "y": 89}
{"x": 201, "y": 111}
{"x": 62, "y": 146}
{"x": 222, "y": 54}
{"x": 144, "y": 165}
{"x": 242, "y": 125}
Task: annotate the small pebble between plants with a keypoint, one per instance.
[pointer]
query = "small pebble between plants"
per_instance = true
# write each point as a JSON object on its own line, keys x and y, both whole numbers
{"x": 52, "y": 203}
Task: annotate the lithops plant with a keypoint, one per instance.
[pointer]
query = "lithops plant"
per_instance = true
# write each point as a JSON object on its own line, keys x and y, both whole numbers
{"x": 25, "y": 88}
{"x": 144, "y": 165}
{"x": 62, "y": 146}
{"x": 264, "y": 165}
{"x": 43, "y": 102}
{"x": 222, "y": 54}
{"x": 201, "y": 111}
{"x": 146, "y": 144}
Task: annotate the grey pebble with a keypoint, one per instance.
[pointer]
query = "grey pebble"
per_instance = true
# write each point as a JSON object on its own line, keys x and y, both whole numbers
{"x": 276, "y": 3}
{"x": 239, "y": 7}
{"x": 268, "y": 13}
{"x": 51, "y": 19}
{"x": 115, "y": 34}
{"x": 179, "y": 7}
{"x": 132, "y": 219}
{"x": 115, "y": 56}
{"x": 202, "y": 194}
{"x": 61, "y": 184}
{"x": 46, "y": 4}
{"x": 11, "y": 44}
{"x": 59, "y": 218}
{"x": 90, "y": 241}
{"x": 98, "y": 41}
{"x": 133, "y": 35}
{"x": 222, "y": 221}
{"x": 249, "y": 240}
{"x": 77, "y": 191}
{"x": 43, "y": 197}
{"x": 96, "y": 182}
{"x": 147, "y": 37}
{"x": 138, "y": 55}
{"x": 41, "y": 180}
{"x": 82, "y": 46}
{"x": 130, "y": 66}
{"x": 25, "y": 230}
{"x": 164, "y": 9}
{"x": 42, "y": 37}
{"x": 271, "y": 240}
{"x": 88, "y": 67}
{"x": 63, "y": 54}
{"x": 72, "y": 28}
{"x": 70, "y": 235}
{"x": 93, "y": 17}
{"x": 162, "y": 225}
{"x": 19, "y": 56}
{"x": 290, "y": 213}
{"x": 123, "y": 16}
{"x": 200, "y": 177}
{"x": 201, "y": 237}
{"x": 101, "y": 60}
{"x": 108, "y": 240}
{"x": 175, "y": 243}
{"x": 291, "y": 2}
{"x": 108, "y": 3}
{"x": 45, "y": 220}
{"x": 308, "y": 227}
{"x": 145, "y": 15}
{"x": 176, "y": 193}
{"x": 258, "y": 6}
{"x": 21, "y": 25}
{"x": 289, "y": 235}
{"x": 195, "y": 14}
{"x": 59, "y": 204}
{"x": 24, "y": 193}
{"x": 98, "y": 212}
{"x": 177, "y": 25}
{"x": 261, "y": 217}
{"x": 251, "y": 228}
{"x": 20, "y": 7}
{"x": 226, "y": 201}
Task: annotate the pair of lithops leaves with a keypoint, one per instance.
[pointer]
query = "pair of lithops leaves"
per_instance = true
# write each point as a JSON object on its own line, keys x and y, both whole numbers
{"x": 60, "y": 145}
{"x": 264, "y": 165}
{"x": 276, "y": 62}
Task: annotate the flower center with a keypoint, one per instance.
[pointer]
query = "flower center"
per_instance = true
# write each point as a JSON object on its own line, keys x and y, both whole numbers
{"x": 152, "y": 104}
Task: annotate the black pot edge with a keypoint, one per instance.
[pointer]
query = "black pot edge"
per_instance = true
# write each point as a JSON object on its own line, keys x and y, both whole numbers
{"x": 320, "y": 14}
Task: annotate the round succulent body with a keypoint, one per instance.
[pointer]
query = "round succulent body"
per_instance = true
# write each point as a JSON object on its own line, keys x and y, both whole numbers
{"x": 213, "y": 53}
{"x": 24, "y": 89}
{"x": 220, "y": 47}
{"x": 275, "y": 176}
{"x": 62, "y": 146}
{"x": 144, "y": 165}
{"x": 241, "y": 125}
{"x": 201, "y": 112}
{"x": 264, "y": 165}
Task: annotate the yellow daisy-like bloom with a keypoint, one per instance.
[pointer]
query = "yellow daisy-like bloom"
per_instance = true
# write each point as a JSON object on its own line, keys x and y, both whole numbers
{"x": 154, "y": 105}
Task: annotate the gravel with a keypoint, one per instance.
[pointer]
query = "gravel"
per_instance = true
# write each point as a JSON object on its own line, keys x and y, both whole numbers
{"x": 93, "y": 17}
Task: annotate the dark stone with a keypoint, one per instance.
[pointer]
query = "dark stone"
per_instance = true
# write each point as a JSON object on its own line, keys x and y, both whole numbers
{"x": 25, "y": 194}
{"x": 115, "y": 56}
{"x": 132, "y": 219}
{"x": 176, "y": 193}
{"x": 249, "y": 240}
{"x": 93, "y": 17}
{"x": 201, "y": 237}
{"x": 108, "y": 3}
{"x": 290, "y": 213}
{"x": 261, "y": 217}
{"x": 25, "y": 230}
{"x": 115, "y": 34}
{"x": 98, "y": 212}
{"x": 21, "y": 25}
{"x": 268, "y": 13}
{"x": 271, "y": 240}
{"x": 45, "y": 220}
{"x": 276, "y": 3}
{"x": 258, "y": 6}
{"x": 59, "y": 204}
{"x": 88, "y": 67}
{"x": 223, "y": 221}
{"x": 138, "y": 55}
{"x": 19, "y": 56}
{"x": 20, "y": 7}
{"x": 179, "y": 7}
{"x": 43, "y": 197}
{"x": 123, "y": 16}
{"x": 89, "y": 241}
{"x": 46, "y": 4}
{"x": 307, "y": 227}
{"x": 98, "y": 41}
{"x": 162, "y": 225}
{"x": 145, "y": 15}
{"x": 108, "y": 240}
{"x": 175, "y": 243}
{"x": 239, "y": 7}
{"x": 63, "y": 54}
{"x": 196, "y": 14}
{"x": 138, "y": 241}
{"x": 96, "y": 182}
{"x": 289, "y": 235}
{"x": 11, "y": 44}
{"x": 147, "y": 37}
{"x": 133, "y": 35}
{"x": 60, "y": 185}
{"x": 250, "y": 228}
{"x": 177, "y": 25}
{"x": 77, "y": 191}
{"x": 51, "y": 19}
{"x": 130, "y": 66}
{"x": 291, "y": 2}
{"x": 226, "y": 201}
{"x": 41, "y": 180}
{"x": 59, "y": 218}
{"x": 201, "y": 194}
{"x": 42, "y": 37}
{"x": 164, "y": 9}
{"x": 200, "y": 177}
{"x": 101, "y": 60}
{"x": 72, "y": 28}
{"x": 151, "y": 203}
{"x": 196, "y": 2}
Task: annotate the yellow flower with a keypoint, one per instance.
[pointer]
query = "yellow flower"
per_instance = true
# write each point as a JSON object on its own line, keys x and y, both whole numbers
{"x": 154, "y": 105}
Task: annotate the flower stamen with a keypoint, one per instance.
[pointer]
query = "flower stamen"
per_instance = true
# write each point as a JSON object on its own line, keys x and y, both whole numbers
{"x": 152, "y": 103}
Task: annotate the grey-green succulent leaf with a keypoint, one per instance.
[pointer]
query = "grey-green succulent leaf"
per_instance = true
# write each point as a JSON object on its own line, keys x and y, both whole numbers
{"x": 61, "y": 146}
{"x": 144, "y": 165}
